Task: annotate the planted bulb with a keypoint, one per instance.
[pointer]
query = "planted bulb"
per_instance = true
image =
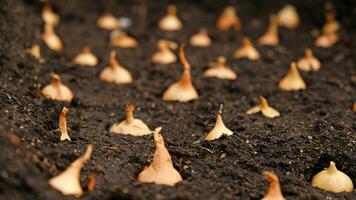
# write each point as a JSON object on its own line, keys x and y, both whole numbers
{"x": 332, "y": 25}
{"x": 220, "y": 70}
{"x": 86, "y": 58}
{"x": 332, "y": 180}
{"x": 247, "y": 50}
{"x": 274, "y": 189}
{"x": 183, "y": 90}
{"x": 329, "y": 34}
{"x": 271, "y": 36}
{"x": 165, "y": 55}
{"x": 115, "y": 73}
{"x": 49, "y": 17}
{"x": 68, "y": 182}
{"x": 170, "y": 22}
{"x": 108, "y": 22}
{"x": 228, "y": 19}
{"x": 35, "y": 51}
{"x": 161, "y": 169}
{"x": 309, "y": 62}
{"x": 131, "y": 126}
{"x": 120, "y": 39}
{"x": 201, "y": 39}
{"x": 288, "y": 17}
{"x": 51, "y": 39}
{"x": 264, "y": 107}
{"x": 57, "y": 91}
{"x": 63, "y": 125}
{"x": 293, "y": 80}
{"x": 326, "y": 40}
{"x": 219, "y": 128}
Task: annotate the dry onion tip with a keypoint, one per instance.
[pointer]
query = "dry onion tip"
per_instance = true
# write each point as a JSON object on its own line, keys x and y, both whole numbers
{"x": 120, "y": 39}
{"x": 131, "y": 126}
{"x": 68, "y": 182}
{"x": 219, "y": 128}
{"x": 164, "y": 54}
{"x": 63, "y": 125}
{"x": 326, "y": 40}
{"x": 309, "y": 62}
{"x": 183, "y": 90}
{"x": 201, "y": 39}
{"x": 48, "y": 16}
{"x": 170, "y": 22}
{"x": 288, "y": 17}
{"x": 57, "y": 91}
{"x": 86, "y": 58}
{"x": 293, "y": 80}
{"x": 220, "y": 70}
{"x": 271, "y": 36}
{"x": 332, "y": 180}
{"x": 264, "y": 107}
{"x": 51, "y": 39}
{"x": 247, "y": 50}
{"x": 35, "y": 51}
{"x": 108, "y": 21}
{"x": 228, "y": 19}
{"x": 161, "y": 169}
{"x": 115, "y": 73}
{"x": 274, "y": 189}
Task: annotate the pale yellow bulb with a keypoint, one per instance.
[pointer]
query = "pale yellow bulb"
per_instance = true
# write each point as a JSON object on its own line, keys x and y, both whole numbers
{"x": 161, "y": 169}
{"x": 219, "y": 129}
{"x": 183, "y": 90}
{"x": 86, "y": 58}
{"x": 115, "y": 73}
{"x": 288, "y": 17}
{"x": 165, "y": 55}
{"x": 292, "y": 81}
{"x": 170, "y": 22}
{"x": 56, "y": 90}
{"x": 201, "y": 39}
{"x": 130, "y": 125}
{"x": 108, "y": 22}
{"x": 264, "y": 107}
{"x": 220, "y": 70}
{"x": 332, "y": 180}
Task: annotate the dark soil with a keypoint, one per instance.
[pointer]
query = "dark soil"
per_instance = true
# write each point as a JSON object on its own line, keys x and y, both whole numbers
{"x": 316, "y": 125}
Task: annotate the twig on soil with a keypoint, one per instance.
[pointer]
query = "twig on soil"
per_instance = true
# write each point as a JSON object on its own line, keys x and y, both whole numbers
{"x": 63, "y": 125}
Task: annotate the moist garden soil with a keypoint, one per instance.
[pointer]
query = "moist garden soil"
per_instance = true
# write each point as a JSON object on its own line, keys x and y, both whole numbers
{"x": 316, "y": 125}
